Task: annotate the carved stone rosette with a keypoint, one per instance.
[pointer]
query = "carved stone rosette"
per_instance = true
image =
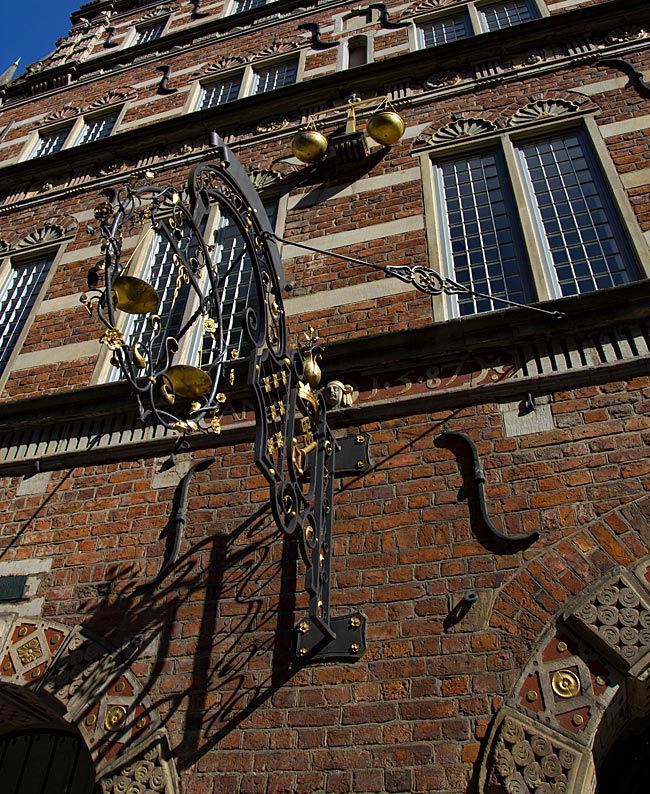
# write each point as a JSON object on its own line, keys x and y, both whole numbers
{"x": 614, "y": 615}
{"x": 524, "y": 756}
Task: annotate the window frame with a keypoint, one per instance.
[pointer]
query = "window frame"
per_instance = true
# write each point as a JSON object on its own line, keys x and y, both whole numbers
{"x": 231, "y": 8}
{"x": 138, "y": 27}
{"x": 191, "y": 347}
{"x": 75, "y": 127}
{"x": 507, "y": 140}
{"x": 248, "y": 81}
{"x": 18, "y": 258}
{"x": 472, "y": 10}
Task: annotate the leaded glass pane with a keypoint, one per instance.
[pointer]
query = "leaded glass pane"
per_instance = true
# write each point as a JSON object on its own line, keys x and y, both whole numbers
{"x": 504, "y": 14}
{"x": 237, "y": 286}
{"x": 482, "y": 242}
{"x": 149, "y": 33}
{"x": 97, "y": 127}
{"x": 275, "y": 76}
{"x": 219, "y": 92}
{"x": 246, "y": 5}
{"x": 159, "y": 271}
{"x": 583, "y": 239}
{"x": 17, "y": 298}
{"x": 444, "y": 29}
{"x": 50, "y": 142}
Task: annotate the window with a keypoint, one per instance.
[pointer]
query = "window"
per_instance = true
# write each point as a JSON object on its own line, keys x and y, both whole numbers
{"x": 85, "y": 129}
{"x": 149, "y": 32}
{"x": 221, "y": 91}
{"x": 237, "y": 288}
{"x": 245, "y": 83}
{"x": 50, "y": 142}
{"x": 246, "y": 5}
{"x": 475, "y": 18}
{"x": 444, "y": 29}
{"x": 275, "y": 76}
{"x": 19, "y": 291}
{"x": 357, "y": 51}
{"x": 97, "y": 127}
{"x": 577, "y": 243}
{"x": 235, "y": 273}
{"x": 504, "y": 14}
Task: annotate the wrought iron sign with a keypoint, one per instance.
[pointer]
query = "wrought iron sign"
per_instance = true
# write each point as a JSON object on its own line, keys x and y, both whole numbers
{"x": 185, "y": 335}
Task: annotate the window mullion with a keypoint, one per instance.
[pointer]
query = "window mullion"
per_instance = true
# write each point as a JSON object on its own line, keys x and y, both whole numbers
{"x": 529, "y": 224}
{"x": 474, "y": 17}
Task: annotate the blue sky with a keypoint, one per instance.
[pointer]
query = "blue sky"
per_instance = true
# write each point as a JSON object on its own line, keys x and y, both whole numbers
{"x": 30, "y": 28}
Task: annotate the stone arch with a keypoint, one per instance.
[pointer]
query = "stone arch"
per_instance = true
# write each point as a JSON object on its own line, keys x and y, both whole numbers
{"x": 586, "y": 678}
{"x": 98, "y": 694}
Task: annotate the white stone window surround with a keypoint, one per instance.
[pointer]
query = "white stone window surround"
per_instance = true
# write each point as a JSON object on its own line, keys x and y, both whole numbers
{"x": 238, "y": 6}
{"x": 472, "y": 14}
{"x": 12, "y": 263}
{"x": 507, "y": 141}
{"x": 74, "y": 130}
{"x": 353, "y": 46}
{"x": 248, "y": 74}
{"x": 137, "y": 33}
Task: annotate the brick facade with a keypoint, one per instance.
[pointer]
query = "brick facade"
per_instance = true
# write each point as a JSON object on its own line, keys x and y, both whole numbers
{"x": 470, "y": 637}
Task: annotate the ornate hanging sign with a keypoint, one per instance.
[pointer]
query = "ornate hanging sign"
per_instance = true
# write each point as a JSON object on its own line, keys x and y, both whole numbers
{"x": 196, "y": 308}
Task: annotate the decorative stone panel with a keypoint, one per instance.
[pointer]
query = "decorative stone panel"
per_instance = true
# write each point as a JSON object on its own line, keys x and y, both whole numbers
{"x": 153, "y": 771}
{"x": 101, "y": 696}
{"x": 567, "y": 686}
{"x": 614, "y": 615}
{"x": 524, "y": 757}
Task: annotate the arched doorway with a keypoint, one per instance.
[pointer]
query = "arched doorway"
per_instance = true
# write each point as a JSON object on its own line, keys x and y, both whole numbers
{"x": 40, "y": 753}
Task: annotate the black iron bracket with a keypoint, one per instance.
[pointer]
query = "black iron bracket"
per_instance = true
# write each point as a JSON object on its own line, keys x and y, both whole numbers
{"x": 636, "y": 77}
{"x": 479, "y": 479}
{"x": 343, "y": 640}
{"x": 163, "y": 86}
{"x": 352, "y": 455}
{"x": 316, "y": 42}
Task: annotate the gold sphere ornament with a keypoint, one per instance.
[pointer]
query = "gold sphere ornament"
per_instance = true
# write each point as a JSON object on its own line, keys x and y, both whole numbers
{"x": 386, "y": 127}
{"x": 309, "y": 146}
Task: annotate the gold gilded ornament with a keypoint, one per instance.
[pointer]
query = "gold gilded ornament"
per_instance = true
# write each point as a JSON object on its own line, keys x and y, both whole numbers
{"x": 104, "y": 211}
{"x": 30, "y": 651}
{"x": 115, "y": 718}
{"x": 565, "y": 683}
{"x": 112, "y": 339}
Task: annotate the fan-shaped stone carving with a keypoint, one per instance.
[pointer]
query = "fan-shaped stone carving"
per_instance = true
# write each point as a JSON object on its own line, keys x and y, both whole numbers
{"x": 621, "y": 35}
{"x": 277, "y": 47}
{"x": 46, "y": 234}
{"x": 542, "y": 109}
{"x": 109, "y": 98}
{"x": 66, "y": 112}
{"x": 264, "y": 177}
{"x": 442, "y": 80}
{"x": 462, "y": 128}
{"x": 431, "y": 5}
{"x": 156, "y": 12}
{"x": 271, "y": 125}
{"x": 227, "y": 62}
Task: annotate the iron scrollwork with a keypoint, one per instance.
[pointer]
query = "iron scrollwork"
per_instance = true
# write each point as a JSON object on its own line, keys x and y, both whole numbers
{"x": 182, "y": 370}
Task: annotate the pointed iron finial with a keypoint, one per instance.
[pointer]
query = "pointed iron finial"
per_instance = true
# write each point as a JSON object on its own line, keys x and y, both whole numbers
{"x": 7, "y": 76}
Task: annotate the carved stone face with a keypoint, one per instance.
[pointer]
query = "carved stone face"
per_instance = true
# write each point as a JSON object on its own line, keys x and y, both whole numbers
{"x": 334, "y": 393}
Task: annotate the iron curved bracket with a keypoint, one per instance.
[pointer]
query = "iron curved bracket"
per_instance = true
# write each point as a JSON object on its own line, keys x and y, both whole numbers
{"x": 316, "y": 41}
{"x": 479, "y": 479}
{"x": 636, "y": 77}
{"x": 180, "y": 519}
